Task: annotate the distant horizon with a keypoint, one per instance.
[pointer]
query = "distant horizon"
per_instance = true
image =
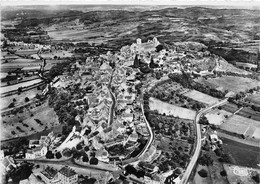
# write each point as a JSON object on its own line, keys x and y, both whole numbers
{"x": 241, "y": 4}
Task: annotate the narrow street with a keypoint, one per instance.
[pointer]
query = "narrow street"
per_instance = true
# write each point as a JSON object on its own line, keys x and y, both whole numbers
{"x": 111, "y": 110}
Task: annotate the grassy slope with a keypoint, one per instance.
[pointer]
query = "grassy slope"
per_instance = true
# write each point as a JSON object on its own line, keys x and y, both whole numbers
{"x": 242, "y": 154}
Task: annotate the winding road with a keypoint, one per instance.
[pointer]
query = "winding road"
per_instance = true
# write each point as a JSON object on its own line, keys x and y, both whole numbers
{"x": 196, "y": 154}
{"x": 151, "y": 137}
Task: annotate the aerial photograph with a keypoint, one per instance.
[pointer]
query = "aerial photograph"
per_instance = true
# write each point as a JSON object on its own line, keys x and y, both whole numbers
{"x": 130, "y": 92}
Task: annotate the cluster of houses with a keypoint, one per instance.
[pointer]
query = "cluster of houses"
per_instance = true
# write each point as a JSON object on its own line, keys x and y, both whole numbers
{"x": 40, "y": 147}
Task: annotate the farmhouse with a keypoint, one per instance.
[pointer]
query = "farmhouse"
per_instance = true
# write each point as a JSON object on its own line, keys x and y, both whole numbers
{"x": 36, "y": 152}
{"x": 40, "y": 147}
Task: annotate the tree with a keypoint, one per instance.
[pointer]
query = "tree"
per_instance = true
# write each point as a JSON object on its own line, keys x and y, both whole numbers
{"x": 225, "y": 158}
{"x": 93, "y": 161}
{"x": 140, "y": 173}
{"x": 223, "y": 173}
{"x": 49, "y": 155}
{"x": 205, "y": 160}
{"x": 67, "y": 152}
{"x": 58, "y": 155}
{"x": 85, "y": 158}
{"x": 79, "y": 147}
{"x": 86, "y": 148}
{"x": 203, "y": 173}
{"x": 218, "y": 152}
{"x": 26, "y": 99}
{"x": 130, "y": 169}
{"x": 11, "y": 105}
{"x": 19, "y": 90}
{"x": 136, "y": 62}
{"x": 159, "y": 48}
{"x": 203, "y": 120}
{"x": 256, "y": 178}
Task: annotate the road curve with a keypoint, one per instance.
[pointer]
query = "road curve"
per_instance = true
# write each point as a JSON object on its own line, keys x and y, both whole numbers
{"x": 195, "y": 156}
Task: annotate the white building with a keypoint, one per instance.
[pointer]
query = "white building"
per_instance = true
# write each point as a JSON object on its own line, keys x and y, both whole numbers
{"x": 36, "y": 152}
{"x": 67, "y": 176}
{"x": 2, "y": 155}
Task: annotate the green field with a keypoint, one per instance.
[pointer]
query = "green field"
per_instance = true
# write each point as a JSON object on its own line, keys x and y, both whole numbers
{"x": 230, "y": 83}
{"x": 242, "y": 154}
{"x": 28, "y": 124}
{"x": 254, "y": 99}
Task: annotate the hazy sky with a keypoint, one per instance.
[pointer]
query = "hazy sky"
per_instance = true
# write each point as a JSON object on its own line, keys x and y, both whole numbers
{"x": 241, "y": 3}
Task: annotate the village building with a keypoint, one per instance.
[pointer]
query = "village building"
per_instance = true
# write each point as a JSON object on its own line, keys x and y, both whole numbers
{"x": 36, "y": 152}
{"x": 67, "y": 176}
{"x": 49, "y": 175}
{"x": 8, "y": 163}
{"x": 39, "y": 147}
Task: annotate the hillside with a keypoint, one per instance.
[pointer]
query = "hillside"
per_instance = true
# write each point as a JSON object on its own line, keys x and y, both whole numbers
{"x": 119, "y": 27}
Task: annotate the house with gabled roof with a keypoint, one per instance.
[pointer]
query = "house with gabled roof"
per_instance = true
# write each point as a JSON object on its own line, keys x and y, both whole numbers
{"x": 49, "y": 175}
{"x": 67, "y": 176}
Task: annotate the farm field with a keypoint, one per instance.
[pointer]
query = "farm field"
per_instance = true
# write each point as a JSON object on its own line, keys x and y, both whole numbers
{"x": 22, "y": 60}
{"x": 242, "y": 154}
{"x": 165, "y": 144}
{"x": 16, "y": 86}
{"x": 173, "y": 93}
{"x": 19, "y": 99}
{"x": 238, "y": 174}
{"x": 217, "y": 117}
{"x": 73, "y": 34}
{"x": 198, "y": 179}
{"x": 249, "y": 113}
{"x": 222, "y": 65}
{"x": 214, "y": 172}
{"x": 16, "y": 81}
{"x": 230, "y": 107}
{"x": 246, "y": 65}
{"x": 254, "y": 99}
{"x": 59, "y": 53}
{"x": 241, "y": 125}
{"x": 26, "y": 52}
{"x": 169, "y": 109}
{"x": 9, "y": 57}
{"x": 230, "y": 83}
{"x": 28, "y": 123}
{"x": 201, "y": 97}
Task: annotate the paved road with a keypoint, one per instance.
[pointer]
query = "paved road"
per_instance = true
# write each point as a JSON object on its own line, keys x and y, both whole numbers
{"x": 151, "y": 137}
{"x": 111, "y": 110}
{"x": 195, "y": 156}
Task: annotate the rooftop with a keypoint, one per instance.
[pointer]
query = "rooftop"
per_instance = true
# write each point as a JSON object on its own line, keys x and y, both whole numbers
{"x": 68, "y": 172}
{"x": 49, "y": 172}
